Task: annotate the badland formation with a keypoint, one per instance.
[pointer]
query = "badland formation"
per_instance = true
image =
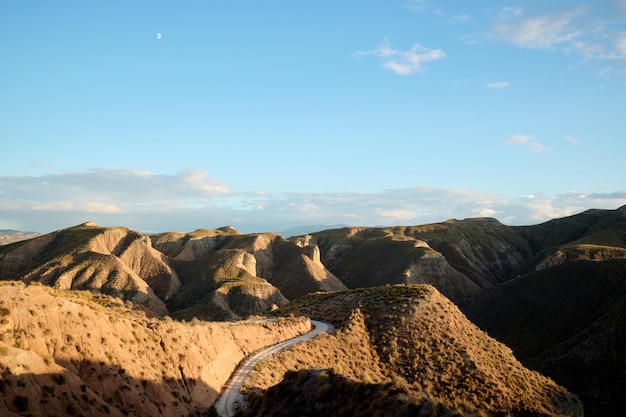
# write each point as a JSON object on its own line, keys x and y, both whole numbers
{"x": 465, "y": 317}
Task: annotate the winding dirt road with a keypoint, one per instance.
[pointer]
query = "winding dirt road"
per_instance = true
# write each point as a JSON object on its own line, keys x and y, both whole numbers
{"x": 231, "y": 398}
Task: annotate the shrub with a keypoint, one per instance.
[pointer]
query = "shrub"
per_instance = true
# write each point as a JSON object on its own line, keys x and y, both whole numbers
{"x": 59, "y": 379}
{"x": 21, "y": 403}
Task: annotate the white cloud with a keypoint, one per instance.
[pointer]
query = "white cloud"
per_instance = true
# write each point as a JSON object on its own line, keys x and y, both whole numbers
{"x": 485, "y": 212}
{"x": 537, "y": 32}
{"x": 589, "y": 51}
{"x": 397, "y": 214}
{"x": 404, "y": 62}
{"x": 152, "y": 202}
{"x": 592, "y": 32}
{"x": 526, "y": 141}
{"x": 498, "y": 85}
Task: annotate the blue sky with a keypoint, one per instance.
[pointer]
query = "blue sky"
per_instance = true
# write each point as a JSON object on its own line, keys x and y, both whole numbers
{"x": 163, "y": 115}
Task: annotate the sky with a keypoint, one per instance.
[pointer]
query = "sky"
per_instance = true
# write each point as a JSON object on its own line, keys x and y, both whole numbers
{"x": 267, "y": 115}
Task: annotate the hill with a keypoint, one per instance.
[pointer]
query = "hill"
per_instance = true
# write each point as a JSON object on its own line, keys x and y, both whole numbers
{"x": 406, "y": 347}
{"x": 466, "y": 258}
{"x": 68, "y": 353}
{"x": 211, "y": 274}
{"x": 567, "y": 321}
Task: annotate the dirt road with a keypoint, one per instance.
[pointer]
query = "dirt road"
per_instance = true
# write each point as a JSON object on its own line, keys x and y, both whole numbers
{"x": 231, "y": 398}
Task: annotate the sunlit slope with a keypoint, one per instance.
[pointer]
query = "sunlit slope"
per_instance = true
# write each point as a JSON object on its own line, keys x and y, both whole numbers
{"x": 210, "y": 274}
{"x": 413, "y": 343}
{"x": 68, "y": 353}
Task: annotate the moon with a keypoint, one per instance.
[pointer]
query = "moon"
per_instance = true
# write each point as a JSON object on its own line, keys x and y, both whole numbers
{"x": 158, "y": 35}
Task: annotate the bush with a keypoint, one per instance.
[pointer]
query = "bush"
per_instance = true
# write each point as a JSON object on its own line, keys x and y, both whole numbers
{"x": 21, "y": 403}
{"x": 59, "y": 379}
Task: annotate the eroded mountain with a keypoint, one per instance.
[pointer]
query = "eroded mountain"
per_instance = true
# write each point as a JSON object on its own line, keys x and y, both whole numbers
{"x": 215, "y": 275}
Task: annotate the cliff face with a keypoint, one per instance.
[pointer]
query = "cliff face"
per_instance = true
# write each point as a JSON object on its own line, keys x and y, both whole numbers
{"x": 65, "y": 352}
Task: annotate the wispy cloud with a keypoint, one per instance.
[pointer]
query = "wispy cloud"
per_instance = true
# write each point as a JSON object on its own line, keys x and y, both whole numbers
{"x": 403, "y": 62}
{"x": 150, "y": 202}
{"x": 527, "y": 142}
{"x": 537, "y": 32}
{"x": 580, "y": 31}
{"x": 498, "y": 85}
{"x": 110, "y": 190}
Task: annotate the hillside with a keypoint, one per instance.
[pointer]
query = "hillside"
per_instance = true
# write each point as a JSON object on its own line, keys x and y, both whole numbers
{"x": 405, "y": 346}
{"x": 65, "y": 353}
{"x": 569, "y": 322}
{"x": 466, "y": 258}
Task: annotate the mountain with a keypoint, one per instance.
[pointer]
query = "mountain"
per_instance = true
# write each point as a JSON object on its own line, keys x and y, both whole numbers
{"x": 9, "y": 236}
{"x": 466, "y": 258}
{"x": 302, "y": 230}
{"x": 406, "y": 348}
{"x": 552, "y": 291}
{"x": 69, "y": 353}
{"x": 211, "y": 274}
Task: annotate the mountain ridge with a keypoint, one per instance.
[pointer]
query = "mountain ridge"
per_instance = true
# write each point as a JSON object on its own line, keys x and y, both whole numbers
{"x": 224, "y": 275}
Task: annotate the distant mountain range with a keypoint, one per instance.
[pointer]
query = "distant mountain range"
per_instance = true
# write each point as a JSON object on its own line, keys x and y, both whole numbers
{"x": 555, "y": 292}
{"x": 9, "y": 236}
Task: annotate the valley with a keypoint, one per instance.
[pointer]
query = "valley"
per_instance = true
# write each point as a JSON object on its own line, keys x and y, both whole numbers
{"x": 464, "y": 317}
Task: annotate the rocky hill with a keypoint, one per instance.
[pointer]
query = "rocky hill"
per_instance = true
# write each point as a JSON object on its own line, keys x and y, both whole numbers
{"x": 214, "y": 275}
{"x": 405, "y": 347}
{"x": 466, "y": 258}
{"x": 69, "y": 353}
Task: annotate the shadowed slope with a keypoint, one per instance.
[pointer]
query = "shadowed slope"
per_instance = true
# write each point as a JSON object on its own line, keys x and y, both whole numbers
{"x": 568, "y": 321}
